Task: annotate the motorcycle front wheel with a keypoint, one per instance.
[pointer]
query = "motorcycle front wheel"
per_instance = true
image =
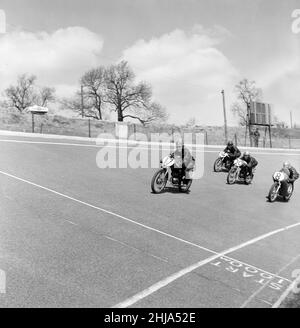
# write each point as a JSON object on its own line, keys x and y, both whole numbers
{"x": 218, "y": 165}
{"x": 231, "y": 177}
{"x": 273, "y": 193}
{"x": 159, "y": 181}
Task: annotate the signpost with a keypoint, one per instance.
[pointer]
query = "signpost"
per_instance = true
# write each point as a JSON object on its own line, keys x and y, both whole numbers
{"x": 36, "y": 110}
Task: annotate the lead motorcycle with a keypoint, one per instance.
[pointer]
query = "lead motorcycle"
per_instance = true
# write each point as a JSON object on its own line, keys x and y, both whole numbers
{"x": 276, "y": 189}
{"x": 171, "y": 173}
{"x": 238, "y": 173}
{"x": 223, "y": 162}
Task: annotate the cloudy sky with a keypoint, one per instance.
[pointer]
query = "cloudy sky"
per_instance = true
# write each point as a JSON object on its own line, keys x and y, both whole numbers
{"x": 189, "y": 50}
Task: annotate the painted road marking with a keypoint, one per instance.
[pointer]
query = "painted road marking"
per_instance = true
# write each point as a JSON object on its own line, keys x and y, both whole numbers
{"x": 164, "y": 282}
{"x": 127, "y": 219}
{"x": 257, "y": 268}
{"x": 126, "y": 147}
{"x": 293, "y": 285}
{"x": 257, "y": 292}
{"x": 250, "y": 273}
{"x": 71, "y": 222}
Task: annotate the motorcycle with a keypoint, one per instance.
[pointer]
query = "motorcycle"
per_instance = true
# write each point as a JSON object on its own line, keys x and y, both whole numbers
{"x": 223, "y": 162}
{"x": 276, "y": 190}
{"x": 238, "y": 173}
{"x": 172, "y": 173}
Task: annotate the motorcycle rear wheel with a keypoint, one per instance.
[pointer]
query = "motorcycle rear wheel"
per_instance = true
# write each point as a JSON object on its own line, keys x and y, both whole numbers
{"x": 159, "y": 181}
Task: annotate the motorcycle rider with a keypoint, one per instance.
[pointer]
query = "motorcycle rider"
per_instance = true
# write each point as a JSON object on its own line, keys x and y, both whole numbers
{"x": 251, "y": 162}
{"x": 292, "y": 175}
{"x": 185, "y": 155}
{"x": 232, "y": 151}
{"x": 187, "y": 160}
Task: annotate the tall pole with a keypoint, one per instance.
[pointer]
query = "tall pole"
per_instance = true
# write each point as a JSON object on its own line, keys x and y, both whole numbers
{"x": 225, "y": 118}
{"x": 81, "y": 93}
{"x": 291, "y": 119}
{"x": 249, "y": 123}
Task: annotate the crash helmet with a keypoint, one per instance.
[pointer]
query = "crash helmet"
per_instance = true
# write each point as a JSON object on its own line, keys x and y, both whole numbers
{"x": 286, "y": 165}
{"x": 230, "y": 143}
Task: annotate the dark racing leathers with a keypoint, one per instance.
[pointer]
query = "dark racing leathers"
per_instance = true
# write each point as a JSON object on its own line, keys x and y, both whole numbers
{"x": 251, "y": 164}
{"x": 233, "y": 153}
{"x": 293, "y": 175}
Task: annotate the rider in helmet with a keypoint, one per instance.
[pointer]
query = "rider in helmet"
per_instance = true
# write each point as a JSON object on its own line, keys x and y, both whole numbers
{"x": 181, "y": 151}
{"x": 292, "y": 175}
{"x": 251, "y": 162}
{"x": 232, "y": 151}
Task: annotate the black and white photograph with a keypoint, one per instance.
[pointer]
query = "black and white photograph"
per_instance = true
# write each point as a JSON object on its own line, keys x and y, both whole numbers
{"x": 149, "y": 157}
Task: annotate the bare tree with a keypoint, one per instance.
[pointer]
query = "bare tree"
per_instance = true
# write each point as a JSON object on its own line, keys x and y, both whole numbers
{"x": 26, "y": 94}
{"x": 46, "y": 95}
{"x": 124, "y": 95}
{"x": 246, "y": 93}
{"x": 114, "y": 88}
{"x": 22, "y": 95}
{"x": 94, "y": 87}
{"x": 150, "y": 113}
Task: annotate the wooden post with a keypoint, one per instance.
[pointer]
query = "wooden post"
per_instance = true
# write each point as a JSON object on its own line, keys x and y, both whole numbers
{"x": 270, "y": 136}
{"x": 32, "y": 120}
{"x": 89, "y": 127}
{"x": 235, "y": 139}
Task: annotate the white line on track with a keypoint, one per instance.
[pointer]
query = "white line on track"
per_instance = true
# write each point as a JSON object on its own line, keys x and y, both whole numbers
{"x": 254, "y": 295}
{"x": 139, "y": 147}
{"x": 164, "y": 282}
{"x": 71, "y": 222}
{"x": 286, "y": 293}
{"x": 134, "y": 222}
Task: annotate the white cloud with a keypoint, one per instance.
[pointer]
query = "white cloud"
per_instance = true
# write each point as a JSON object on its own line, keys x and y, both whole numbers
{"x": 280, "y": 82}
{"x": 284, "y": 94}
{"x": 187, "y": 72}
{"x": 58, "y": 58}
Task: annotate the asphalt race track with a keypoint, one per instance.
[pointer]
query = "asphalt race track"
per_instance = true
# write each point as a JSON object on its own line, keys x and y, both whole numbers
{"x": 75, "y": 235}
